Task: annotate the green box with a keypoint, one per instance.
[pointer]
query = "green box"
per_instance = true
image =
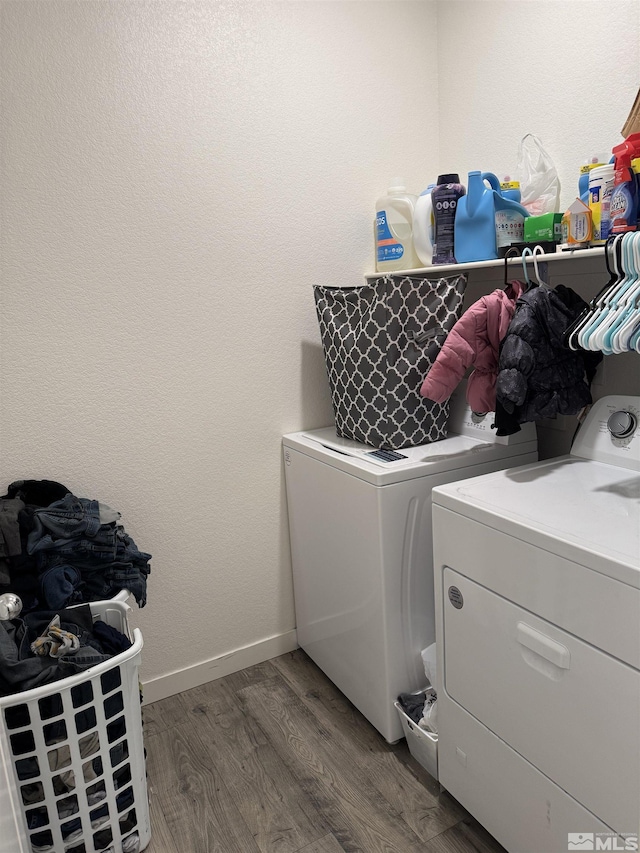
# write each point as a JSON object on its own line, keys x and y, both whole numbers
{"x": 545, "y": 227}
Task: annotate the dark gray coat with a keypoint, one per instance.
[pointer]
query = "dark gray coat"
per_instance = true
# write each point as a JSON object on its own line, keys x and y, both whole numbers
{"x": 538, "y": 376}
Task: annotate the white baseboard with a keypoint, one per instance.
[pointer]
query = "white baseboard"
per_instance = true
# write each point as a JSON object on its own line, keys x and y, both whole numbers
{"x": 201, "y": 673}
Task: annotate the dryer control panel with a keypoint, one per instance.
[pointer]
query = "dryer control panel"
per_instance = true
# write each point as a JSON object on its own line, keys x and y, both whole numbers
{"x": 622, "y": 424}
{"x": 611, "y": 432}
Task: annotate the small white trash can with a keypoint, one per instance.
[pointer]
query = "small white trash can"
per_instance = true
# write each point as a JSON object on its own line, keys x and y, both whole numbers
{"x": 423, "y": 745}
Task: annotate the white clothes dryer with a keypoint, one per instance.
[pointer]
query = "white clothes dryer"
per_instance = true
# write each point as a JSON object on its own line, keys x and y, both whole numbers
{"x": 537, "y": 578}
{"x": 361, "y": 548}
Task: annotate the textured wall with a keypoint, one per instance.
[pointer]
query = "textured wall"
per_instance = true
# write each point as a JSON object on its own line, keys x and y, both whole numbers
{"x": 176, "y": 177}
{"x": 566, "y": 70}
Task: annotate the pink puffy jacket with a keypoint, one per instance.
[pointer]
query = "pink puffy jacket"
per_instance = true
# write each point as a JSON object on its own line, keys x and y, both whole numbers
{"x": 475, "y": 339}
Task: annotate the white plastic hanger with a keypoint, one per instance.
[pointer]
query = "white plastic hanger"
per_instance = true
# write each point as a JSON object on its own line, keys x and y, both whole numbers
{"x": 611, "y": 252}
{"x": 602, "y": 305}
{"x": 526, "y": 253}
{"x": 615, "y": 304}
{"x": 538, "y": 250}
{"x": 619, "y": 339}
{"x": 602, "y": 338}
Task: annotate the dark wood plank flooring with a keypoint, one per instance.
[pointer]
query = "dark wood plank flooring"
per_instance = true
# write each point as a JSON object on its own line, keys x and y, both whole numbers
{"x": 274, "y": 759}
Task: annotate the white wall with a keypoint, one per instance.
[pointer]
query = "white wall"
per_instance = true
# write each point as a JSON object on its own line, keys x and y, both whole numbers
{"x": 175, "y": 178}
{"x": 565, "y": 70}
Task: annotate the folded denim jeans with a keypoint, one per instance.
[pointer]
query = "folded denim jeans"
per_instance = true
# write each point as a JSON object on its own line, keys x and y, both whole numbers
{"x": 69, "y": 518}
{"x": 60, "y": 587}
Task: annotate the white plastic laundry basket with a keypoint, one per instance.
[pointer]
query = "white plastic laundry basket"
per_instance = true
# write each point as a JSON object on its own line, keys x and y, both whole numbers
{"x": 73, "y": 776}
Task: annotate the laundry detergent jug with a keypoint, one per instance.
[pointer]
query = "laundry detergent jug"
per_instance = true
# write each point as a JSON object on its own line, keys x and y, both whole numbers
{"x": 510, "y": 216}
{"x": 478, "y": 215}
{"x": 423, "y": 223}
{"x": 394, "y": 224}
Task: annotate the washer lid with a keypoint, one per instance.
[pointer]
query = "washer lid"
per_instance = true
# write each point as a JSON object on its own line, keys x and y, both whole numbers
{"x": 584, "y": 510}
{"x": 383, "y": 467}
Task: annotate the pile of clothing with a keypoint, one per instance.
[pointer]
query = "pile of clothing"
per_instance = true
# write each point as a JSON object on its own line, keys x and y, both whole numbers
{"x": 42, "y": 646}
{"x": 57, "y": 553}
{"x": 57, "y": 549}
{"x": 523, "y": 370}
{"x": 422, "y": 708}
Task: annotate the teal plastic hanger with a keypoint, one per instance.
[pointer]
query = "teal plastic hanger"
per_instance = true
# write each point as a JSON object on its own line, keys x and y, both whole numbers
{"x": 611, "y": 250}
{"x": 620, "y": 338}
{"x": 622, "y": 299}
{"x": 585, "y": 336}
{"x": 634, "y": 343}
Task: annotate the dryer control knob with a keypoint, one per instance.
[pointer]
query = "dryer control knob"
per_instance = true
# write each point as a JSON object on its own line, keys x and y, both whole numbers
{"x": 622, "y": 424}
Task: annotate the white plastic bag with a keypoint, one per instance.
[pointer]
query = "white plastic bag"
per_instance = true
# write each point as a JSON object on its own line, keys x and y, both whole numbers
{"x": 429, "y": 661}
{"x": 429, "y": 719}
{"x": 539, "y": 183}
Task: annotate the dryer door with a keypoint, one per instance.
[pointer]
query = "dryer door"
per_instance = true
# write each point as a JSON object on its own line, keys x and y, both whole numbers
{"x": 568, "y": 708}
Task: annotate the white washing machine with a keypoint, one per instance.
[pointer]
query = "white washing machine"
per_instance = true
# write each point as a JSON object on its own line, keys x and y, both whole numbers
{"x": 537, "y": 578}
{"x": 361, "y": 547}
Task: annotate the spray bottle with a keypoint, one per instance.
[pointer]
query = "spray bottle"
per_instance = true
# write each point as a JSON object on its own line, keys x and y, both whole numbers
{"x": 623, "y": 210}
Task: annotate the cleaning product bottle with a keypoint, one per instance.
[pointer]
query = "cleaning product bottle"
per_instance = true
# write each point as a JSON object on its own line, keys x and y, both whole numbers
{"x": 510, "y": 189}
{"x": 423, "y": 227}
{"x": 635, "y": 165}
{"x": 623, "y": 209}
{"x": 481, "y": 215}
{"x": 583, "y": 180}
{"x": 445, "y": 198}
{"x": 601, "y": 185}
{"x": 394, "y": 222}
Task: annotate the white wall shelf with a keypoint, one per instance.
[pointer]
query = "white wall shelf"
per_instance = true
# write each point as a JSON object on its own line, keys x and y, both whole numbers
{"x": 447, "y": 269}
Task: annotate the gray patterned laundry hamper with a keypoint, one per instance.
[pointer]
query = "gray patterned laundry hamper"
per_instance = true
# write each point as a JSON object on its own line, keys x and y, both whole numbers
{"x": 379, "y": 342}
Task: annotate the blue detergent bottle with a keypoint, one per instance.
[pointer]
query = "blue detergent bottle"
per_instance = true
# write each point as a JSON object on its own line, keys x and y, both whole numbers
{"x": 510, "y": 217}
{"x": 475, "y": 227}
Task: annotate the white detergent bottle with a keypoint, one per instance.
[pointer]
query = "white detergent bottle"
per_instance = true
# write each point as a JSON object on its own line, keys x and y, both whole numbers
{"x": 423, "y": 227}
{"x": 394, "y": 223}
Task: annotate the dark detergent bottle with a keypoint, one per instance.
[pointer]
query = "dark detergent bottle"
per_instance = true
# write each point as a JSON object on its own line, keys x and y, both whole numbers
{"x": 445, "y": 197}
